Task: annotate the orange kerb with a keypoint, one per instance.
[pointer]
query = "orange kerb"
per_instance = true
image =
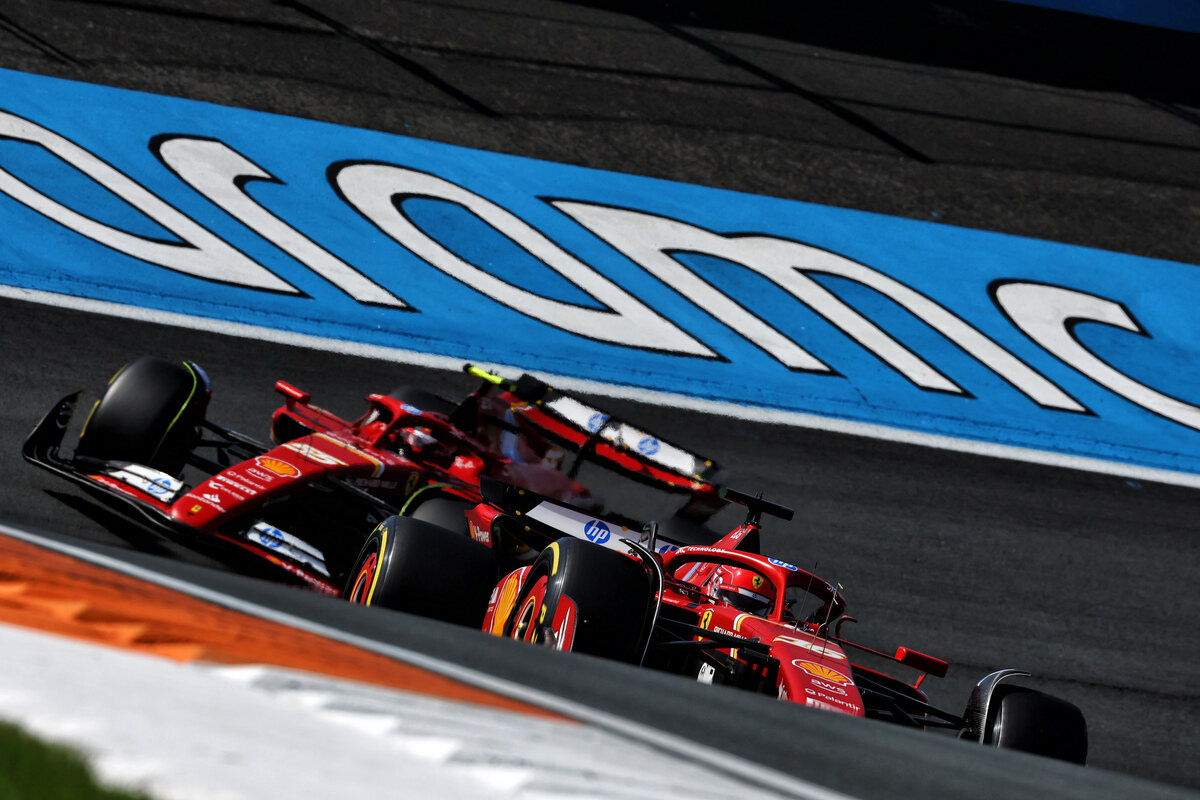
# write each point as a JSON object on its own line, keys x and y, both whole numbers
{"x": 53, "y": 592}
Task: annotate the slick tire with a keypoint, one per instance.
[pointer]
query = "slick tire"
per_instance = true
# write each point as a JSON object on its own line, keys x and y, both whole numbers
{"x": 149, "y": 414}
{"x": 1033, "y": 722}
{"x": 418, "y": 568}
{"x": 610, "y": 591}
{"x": 444, "y": 512}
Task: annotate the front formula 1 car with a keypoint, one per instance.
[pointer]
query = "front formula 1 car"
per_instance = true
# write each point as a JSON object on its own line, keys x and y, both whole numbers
{"x": 306, "y": 507}
{"x": 726, "y": 614}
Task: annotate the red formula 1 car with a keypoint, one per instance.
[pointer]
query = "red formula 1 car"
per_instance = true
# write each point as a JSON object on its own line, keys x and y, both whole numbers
{"x": 721, "y": 613}
{"x": 303, "y": 509}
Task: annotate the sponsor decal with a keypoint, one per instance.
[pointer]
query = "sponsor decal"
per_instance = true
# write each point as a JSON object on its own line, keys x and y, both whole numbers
{"x": 820, "y": 648}
{"x": 208, "y": 502}
{"x": 507, "y": 600}
{"x": 596, "y": 421}
{"x": 270, "y": 537}
{"x": 288, "y": 545}
{"x": 783, "y": 564}
{"x": 828, "y": 687}
{"x": 411, "y": 409}
{"x": 815, "y": 703}
{"x": 196, "y": 509}
{"x": 410, "y": 485}
{"x": 837, "y": 701}
{"x": 706, "y": 618}
{"x": 310, "y": 452}
{"x": 757, "y": 581}
{"x": 234, "y": 489}
{"x": 822, "y": 672}
{"x": 376, "y": 483}
{"x": 648, "y": 446}
{"x": 262, "y": 475}
{"x": 278, "y": 466}
{"x": 159, "y": 487}
{"x": 364, "y": 455}
{"x": 596, "y": 531}
{"x": 480, "y": 535}
{"x": 667, "y": 548}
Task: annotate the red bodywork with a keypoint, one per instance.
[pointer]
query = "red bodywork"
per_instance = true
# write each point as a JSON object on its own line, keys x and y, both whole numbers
{"x": 805, "y": 662}
{"x": 327, "y": 481}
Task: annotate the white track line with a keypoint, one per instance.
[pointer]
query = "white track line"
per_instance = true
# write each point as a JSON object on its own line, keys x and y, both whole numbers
{"x": 721, "y": 408}
{"x": 731, "y": 765}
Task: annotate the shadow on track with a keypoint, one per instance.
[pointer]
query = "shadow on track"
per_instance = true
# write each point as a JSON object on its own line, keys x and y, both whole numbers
{"x": 999, "y": 38}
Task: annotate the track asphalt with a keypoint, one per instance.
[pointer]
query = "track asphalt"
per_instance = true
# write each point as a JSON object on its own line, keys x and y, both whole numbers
{"x": 975, "y": 114}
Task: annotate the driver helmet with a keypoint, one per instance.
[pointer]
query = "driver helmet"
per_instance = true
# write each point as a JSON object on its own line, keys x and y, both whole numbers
{"x": 744, "y": 589}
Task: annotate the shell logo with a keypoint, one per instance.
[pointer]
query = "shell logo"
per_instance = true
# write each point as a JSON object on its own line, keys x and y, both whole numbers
{"x": 824, "y": 673}
{"x": 278, "y": 467}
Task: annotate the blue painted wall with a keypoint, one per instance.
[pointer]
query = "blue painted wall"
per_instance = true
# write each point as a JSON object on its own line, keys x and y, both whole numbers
{"x": 1181, "y": 15}
{"x": 953, "y": 267}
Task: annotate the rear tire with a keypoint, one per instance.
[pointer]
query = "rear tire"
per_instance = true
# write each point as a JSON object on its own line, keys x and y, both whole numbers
{"x": 149, "y": 414}
{"x": 418, "y": 568}
{"x": 1033, "y": 722}
{"x": 610, "y": 591}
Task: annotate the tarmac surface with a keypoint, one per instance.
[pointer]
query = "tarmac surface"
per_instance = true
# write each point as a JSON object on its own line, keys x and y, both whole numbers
{"x": 974, "y": 114}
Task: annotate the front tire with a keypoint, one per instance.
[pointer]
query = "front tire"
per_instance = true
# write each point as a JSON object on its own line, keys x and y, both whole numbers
{"x": 418, "y": 568}
{"x": 606, "y": 593}
{"x": 150, "y": 414}
{"x": 1038, "y": 723}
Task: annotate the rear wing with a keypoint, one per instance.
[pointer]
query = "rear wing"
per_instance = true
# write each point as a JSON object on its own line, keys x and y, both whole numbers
{"x": 594, "y": 434}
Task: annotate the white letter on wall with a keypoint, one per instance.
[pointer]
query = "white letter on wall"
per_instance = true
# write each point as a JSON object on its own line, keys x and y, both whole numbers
{"x": 199, "y": 253}
{"x": 375, "y": 191}
{"x": 650, "y": 241}
{"x": 219, "y": 172}
{"x": 1048, "y": 315}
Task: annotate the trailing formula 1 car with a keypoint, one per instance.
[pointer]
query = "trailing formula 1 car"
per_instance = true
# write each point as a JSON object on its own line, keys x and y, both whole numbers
{"x": 305, "y": 509}
{"x": 722, "y": 613}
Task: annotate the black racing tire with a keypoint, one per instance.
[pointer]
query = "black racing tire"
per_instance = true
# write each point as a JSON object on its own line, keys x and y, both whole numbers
{"x": 149, "y": 414}
{"x": 1033, "y": 722}
{"x": 611, "y": 593}
{"x": 426, "y": 401}
{"x": 411, "y": 566}
{"x": 444, "y": 512}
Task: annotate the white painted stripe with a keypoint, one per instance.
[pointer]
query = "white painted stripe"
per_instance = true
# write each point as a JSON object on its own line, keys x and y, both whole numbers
{"x": 746, "y": 772}
{"x": 771, "y": 416}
